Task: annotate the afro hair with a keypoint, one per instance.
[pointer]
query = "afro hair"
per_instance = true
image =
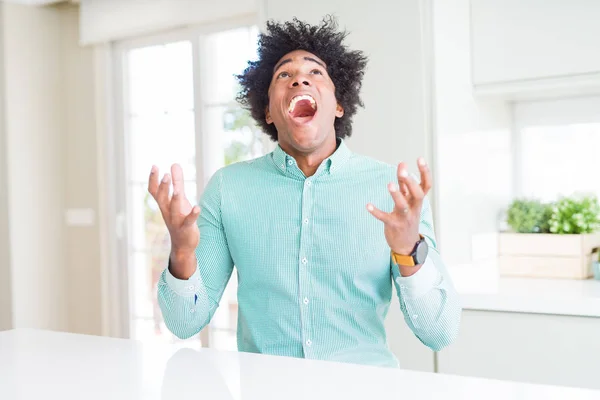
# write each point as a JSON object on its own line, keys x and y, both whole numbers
{"x": 345, "y": 67}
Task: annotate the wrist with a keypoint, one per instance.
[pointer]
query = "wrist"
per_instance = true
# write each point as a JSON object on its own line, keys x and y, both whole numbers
{"x": 409, "y": 271}
{"x": 182, "y": 264}
{"x": 180, "y": 254}
{"x": 407, "y": 246}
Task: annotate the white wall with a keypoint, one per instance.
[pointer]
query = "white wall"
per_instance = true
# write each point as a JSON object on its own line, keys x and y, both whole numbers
{"x": 106, "y": 20}
{"x": 81, "y": 178}
{"x": 35, "y": 157}
{"x": 5, "y": 279}
{"x": 473, "y": 140}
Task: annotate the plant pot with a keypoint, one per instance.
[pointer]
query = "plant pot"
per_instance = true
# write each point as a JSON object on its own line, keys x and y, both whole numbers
{"x": 543, "y": 255}
{"x": 596, "y": 269}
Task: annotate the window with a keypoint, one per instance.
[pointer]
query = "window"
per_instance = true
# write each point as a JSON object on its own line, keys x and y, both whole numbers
{"x": 557, "y": 146}
{"x": 178, "y": 106}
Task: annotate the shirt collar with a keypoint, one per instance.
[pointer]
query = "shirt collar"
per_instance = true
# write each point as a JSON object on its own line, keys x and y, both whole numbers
{"x": 331, "y": 164}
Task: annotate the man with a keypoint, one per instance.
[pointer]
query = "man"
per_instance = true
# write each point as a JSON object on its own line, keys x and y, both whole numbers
{"x": 319, "y": 235}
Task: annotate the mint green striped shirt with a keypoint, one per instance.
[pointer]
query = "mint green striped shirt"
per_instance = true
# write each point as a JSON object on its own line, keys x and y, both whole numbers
{"x": 315, "y": 276}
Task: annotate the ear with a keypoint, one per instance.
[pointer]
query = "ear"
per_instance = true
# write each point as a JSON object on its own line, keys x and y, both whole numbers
{"x": 268, "y": 116}
{"x": 339, "y": 111}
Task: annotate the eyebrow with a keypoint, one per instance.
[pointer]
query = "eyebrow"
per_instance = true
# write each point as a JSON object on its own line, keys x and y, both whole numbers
{"x": 289, "y": 60}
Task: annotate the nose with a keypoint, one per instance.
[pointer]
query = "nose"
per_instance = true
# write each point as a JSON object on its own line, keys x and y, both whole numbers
{"x": 300, "y": 80}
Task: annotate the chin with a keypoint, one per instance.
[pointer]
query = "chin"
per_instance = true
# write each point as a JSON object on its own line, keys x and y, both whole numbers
{"x": 306, "y": 138}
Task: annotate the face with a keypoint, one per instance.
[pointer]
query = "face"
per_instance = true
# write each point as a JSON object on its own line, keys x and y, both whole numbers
{"x": 302, "y": 103}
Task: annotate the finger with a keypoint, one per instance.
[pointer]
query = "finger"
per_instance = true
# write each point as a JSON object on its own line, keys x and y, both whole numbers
{"x": 404, "y": 190}
{"x": 153, "y": 181}
{"x": 400, "y": 202}
{"x": 425, "y": 175}
{"x": 178, "y": 189}
{"x": 401, "y": 171}
{"x": 177, "y": 174}
{"x": 162, "y": 195}
{"x": 377, "y": 213}
{"x": 192, "y": 216}
{"x": 415, "y": 192}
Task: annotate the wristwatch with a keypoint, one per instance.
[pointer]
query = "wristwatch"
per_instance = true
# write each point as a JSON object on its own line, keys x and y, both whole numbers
{"x": 416, "y": 257}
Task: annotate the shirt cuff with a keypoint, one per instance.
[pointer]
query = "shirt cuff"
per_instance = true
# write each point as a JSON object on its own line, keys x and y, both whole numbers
{"x": 421, "y": 281}
{"x": 183, "y": 287}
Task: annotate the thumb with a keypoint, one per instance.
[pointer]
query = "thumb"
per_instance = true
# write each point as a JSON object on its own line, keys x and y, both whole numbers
{"x": 192, "y": 216}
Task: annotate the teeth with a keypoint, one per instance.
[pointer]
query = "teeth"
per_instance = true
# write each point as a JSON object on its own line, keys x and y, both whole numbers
{"x": 302, "y": 97}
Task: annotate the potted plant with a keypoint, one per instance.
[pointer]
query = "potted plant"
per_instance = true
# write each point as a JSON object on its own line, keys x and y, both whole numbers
{"x": 596, "y": 263}
{"x": 550, "y": 240}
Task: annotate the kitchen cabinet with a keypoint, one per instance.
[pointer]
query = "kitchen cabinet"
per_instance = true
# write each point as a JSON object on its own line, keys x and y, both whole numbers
{"x": 526, "y": 347}
{"x": 541, "y": 46}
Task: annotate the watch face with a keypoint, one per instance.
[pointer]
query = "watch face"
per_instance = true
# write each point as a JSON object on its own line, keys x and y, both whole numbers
{"x": 421, "y": 253}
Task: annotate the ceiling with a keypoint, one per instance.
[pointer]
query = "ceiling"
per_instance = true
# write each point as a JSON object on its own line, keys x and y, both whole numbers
{"x": 40, "y": 2}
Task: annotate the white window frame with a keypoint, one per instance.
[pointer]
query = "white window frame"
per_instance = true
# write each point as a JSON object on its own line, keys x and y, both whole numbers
{"x": 116, "y": 295}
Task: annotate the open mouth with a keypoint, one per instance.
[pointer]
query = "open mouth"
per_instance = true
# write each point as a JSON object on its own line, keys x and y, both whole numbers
{"x": 303, "y": 106}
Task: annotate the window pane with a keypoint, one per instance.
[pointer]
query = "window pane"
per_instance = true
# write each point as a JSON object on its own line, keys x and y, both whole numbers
{"x": 240, "y": 139}
{"x": 147, "y": 227}
{"x": 162, "y": 139}
{"x": 179, "y": 78}
{"x": 148, "y": 230}
{"x": 160, "y": 78}
{"x": 146, "y": 89}
{"x": 142, "y": 279}
{"x": 560, "y": 160}
{"x": 229, "y": 53}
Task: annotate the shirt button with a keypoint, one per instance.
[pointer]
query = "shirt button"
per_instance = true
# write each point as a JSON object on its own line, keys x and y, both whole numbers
{"x": 305, "y": 300}
{"x": 192, "y": 310}
{"x": 191, "y": 287}
{"x": 306, "y": 220}
{"x": 290, "y": 162}
{"x": 304, "y": 260}
{"x": 415, "y": 316}
{"x": 308, "y": 183}
{"x": 308, "y": 342}
{"x": 282, "y": 166}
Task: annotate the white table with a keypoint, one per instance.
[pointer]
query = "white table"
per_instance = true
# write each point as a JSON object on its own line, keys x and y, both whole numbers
{"x": 51, "y": 365}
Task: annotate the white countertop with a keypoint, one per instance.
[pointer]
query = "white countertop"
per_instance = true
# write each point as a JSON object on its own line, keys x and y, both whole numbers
{"x": 481, "y": 288}
{"x": 51, "y": 365}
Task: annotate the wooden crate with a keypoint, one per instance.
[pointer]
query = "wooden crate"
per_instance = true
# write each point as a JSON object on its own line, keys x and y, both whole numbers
{"x": 547, "y": 255}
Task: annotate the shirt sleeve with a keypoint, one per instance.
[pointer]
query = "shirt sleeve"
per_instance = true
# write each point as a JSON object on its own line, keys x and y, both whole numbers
{"x": 428, "y": 299}
{"x": 188, "y": 305}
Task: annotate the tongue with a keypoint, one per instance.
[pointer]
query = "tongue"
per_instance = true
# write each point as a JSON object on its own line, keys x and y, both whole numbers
{"x": 303, "y": 108}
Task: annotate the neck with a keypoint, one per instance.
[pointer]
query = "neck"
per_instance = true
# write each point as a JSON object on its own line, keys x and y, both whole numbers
{"x": 309, "y": 162}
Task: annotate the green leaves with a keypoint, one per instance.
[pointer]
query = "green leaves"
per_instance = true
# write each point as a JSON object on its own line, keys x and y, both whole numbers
{"x": 575, "y": 216}
{"x": 529, "y": 216}
{"x": 569, "y": 215}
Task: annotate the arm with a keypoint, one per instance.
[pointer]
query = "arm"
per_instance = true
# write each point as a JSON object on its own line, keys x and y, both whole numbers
{"x": 188, "y": 305}
{"x": 428, "y": 300}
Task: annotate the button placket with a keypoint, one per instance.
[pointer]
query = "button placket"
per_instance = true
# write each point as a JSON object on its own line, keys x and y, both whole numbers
{"x": 304, "y": 266}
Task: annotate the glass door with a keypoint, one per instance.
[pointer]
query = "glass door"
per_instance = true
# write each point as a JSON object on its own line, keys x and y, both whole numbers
{"x": 159, "y": 120}
{"x": 179, "y": 102}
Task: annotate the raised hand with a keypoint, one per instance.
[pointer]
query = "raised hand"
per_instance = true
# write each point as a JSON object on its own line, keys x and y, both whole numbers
{"x": 180, "y": 218}
{"x": 401, "y": 225}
